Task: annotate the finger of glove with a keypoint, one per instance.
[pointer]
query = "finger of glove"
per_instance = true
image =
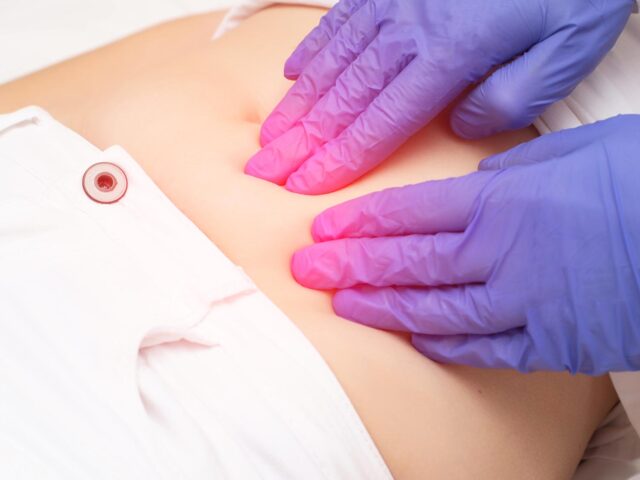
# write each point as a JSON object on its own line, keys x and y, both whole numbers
{"x": 276, "y": 161}
{"x": 552, "y": 146}
{"x": 425, "y": 208}
{"x": 414, "y": 260}
{"x": 515, "y": 94}
{"x": 432, "y": 311}
{"x": 392, "y": 117}
{"x": 354, "y": 90}
{"x": 320, "y": 36}
{"x": 511, "y": 349}
{"x": 321, "y": 73}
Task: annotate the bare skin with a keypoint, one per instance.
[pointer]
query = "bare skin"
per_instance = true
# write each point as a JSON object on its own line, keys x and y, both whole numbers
{"x": 189, "y": 110}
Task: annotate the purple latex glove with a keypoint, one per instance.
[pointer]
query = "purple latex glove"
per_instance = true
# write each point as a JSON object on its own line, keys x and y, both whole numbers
{"x": 375, "y": 71}
{"x": 532, "y": 263}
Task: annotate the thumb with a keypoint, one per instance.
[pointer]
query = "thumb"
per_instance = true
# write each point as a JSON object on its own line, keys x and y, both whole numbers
{"x": 515, "y": 94}
{"x": 555, "y": 145}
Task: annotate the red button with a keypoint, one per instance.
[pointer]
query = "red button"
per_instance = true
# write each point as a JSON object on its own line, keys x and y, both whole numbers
{"x": 104, "y": 182}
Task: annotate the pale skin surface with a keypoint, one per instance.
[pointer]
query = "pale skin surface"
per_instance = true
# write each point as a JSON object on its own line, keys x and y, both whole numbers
{"x": 189, "y": 111}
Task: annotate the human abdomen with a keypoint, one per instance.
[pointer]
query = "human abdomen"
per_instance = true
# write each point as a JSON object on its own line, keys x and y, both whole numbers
{"x": 192, "y": 123}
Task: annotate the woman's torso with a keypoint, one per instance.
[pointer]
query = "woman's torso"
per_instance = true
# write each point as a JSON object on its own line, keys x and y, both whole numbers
{"x": 192, "y": 123}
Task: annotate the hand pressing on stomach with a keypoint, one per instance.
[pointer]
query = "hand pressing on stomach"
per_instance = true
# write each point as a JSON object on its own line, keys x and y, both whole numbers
{"x": 375, "y": 71}
{"x": 531, "y": 263}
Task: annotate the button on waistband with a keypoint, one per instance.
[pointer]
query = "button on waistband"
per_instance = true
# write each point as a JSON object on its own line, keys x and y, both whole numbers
{"x": 104, "y": 182}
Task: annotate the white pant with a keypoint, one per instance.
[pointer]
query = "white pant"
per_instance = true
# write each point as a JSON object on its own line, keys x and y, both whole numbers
{"x": 131, "y": 347}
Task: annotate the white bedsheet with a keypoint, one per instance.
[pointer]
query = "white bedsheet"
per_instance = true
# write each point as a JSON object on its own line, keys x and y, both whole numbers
{"x": 38, "y": 33}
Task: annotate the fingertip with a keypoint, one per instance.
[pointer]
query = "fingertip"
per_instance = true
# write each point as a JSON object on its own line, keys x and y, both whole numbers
{"x": 308, "y": 181}
{"x": 282, "y": 157}
{"x": 300, "y": 266}
{"x": 297, "y": 183}
{"x": 292, "y": 67}
{"x": 321, "y": 230}
{"x": 317, "y": 266}
{"x": 254, "y": 167}
{"x": 313, "y": 177}
{"x": 251, "y": 170}
{"x": 342, "y": 304}
{"x": 293, "y": 76}
{"x": 271, "y": 128}
{"x": 261, "y": 165}
{"x": 318, "y": 229}
{"x": 489, "y": 163}
{"x": 265, "y": 137}
{"x": 281, "y": 120}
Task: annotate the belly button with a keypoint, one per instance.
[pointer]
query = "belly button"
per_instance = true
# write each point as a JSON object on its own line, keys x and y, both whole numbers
{"x": 253, "y": 115}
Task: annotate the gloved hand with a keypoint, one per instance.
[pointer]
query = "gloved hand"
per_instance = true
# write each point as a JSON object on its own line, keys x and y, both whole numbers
{"x": 531, "y": 263}
{"x": 375, "y": 71}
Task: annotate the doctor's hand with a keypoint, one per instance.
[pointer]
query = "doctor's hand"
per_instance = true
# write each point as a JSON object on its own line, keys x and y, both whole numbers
{"x": 375, "y": 71}
{"x": 531, "y": 263}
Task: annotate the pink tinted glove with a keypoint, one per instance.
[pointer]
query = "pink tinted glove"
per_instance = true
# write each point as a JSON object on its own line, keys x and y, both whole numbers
{"x": 531, "y": 263}
{"x": 375, "y": 71}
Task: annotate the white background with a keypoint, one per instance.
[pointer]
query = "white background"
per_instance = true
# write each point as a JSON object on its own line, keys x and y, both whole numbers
{"x": 37, "y": 33}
